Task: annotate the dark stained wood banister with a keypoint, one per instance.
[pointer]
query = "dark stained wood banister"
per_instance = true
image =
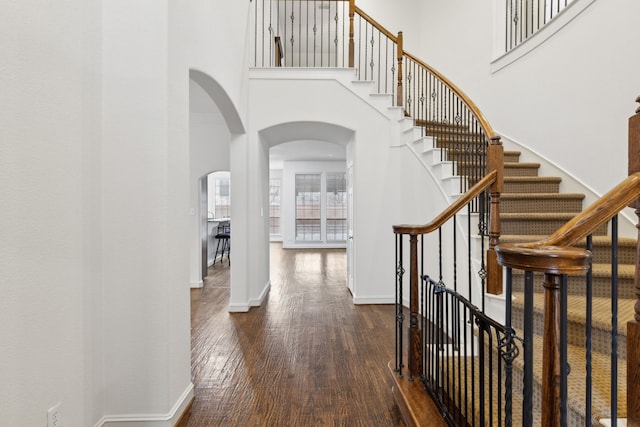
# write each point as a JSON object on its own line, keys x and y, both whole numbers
{"x": 484, "y": 123}
{"x": 554, "y": 257}
{"x": 398, "y": 40}
{"x": 451, "y": 210}
{"x": 414, "y": 364}
{"x": 599, "y": 213}
{"x": 491, "y": 182}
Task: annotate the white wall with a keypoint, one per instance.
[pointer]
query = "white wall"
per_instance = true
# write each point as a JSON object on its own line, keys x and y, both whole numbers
{"x": 95, "y": 166}
{"x": 50, "y": 212}
{"x": 96, "y": 179}
{"x": 381, "y": 172}
{"x": 568, "y": 100}
{"x": 395, "y": 16}
{"x": 144, "y": 182}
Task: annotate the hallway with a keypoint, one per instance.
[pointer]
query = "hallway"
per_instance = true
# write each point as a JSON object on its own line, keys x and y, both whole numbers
{"x": 307, "y": 357}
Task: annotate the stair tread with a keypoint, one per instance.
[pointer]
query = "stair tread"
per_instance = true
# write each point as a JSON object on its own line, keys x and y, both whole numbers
{"x": 550, "y": 216}
{"x": 625, "y": 271}
{"x": 521, "y": 165}
{"x": 532, "y": 178}
{"x": 529, "y": 196}
{"x": 597, "y": 240}
{"x": 576, "y": 310}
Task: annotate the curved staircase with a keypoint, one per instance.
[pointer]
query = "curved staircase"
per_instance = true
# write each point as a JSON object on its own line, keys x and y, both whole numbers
{"x": 532, "y": 207}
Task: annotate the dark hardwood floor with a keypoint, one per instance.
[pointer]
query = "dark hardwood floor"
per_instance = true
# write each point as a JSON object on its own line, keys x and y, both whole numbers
{"x": 306, "y": 357}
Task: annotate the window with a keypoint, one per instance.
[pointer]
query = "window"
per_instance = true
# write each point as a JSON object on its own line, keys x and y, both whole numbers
{"x": 336, "y": 207}
{"x": 219, "y": 194}
{"x": 274, "y": 207}
{"x": 308, "y": 215}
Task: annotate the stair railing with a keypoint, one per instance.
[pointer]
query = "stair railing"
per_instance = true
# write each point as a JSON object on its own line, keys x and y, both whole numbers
{"x": 556, "y": 258}
{"x": 524, "y": 18}
{"x": 337, "y": 33}
{"x": 441, "y": 296}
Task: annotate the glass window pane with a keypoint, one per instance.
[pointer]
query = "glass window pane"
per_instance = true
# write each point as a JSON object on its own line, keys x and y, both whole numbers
{"x": 274, "y": 206}
{"x": 308, "y": 207}
{"x": 336, "y": 207}
{"x": 222, "y": 198}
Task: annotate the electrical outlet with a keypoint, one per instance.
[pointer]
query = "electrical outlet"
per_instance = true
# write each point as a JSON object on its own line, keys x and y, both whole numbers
{"x": 54, "y": 416}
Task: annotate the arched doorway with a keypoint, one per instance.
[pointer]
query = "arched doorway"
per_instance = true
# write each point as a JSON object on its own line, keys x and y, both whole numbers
{"x": 319, "y": 156}
{"x": 213, "y": 123}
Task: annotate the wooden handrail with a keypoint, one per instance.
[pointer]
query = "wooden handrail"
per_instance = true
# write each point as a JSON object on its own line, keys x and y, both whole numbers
{"x": 554, "y": 257}
{"x": 484, "y": 123}
{"x": 585, "y": 223}
{"x": 451, "y": 210}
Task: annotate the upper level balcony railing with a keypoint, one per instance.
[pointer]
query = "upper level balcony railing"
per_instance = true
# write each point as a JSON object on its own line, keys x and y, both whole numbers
{"x": 523, "y": 18}
{"x": 337, "y": 33}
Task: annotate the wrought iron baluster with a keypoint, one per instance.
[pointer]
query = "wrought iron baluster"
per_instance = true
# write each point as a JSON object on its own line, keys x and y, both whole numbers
{"x": 379, "y": 68}
{"x": 314, "y": 29}
{"x": 588, "y": 334}
{"x": 614, "y": 320}
{"x": 564, "y": 363}
{"x": 527, "y": 405}
{"x": 482, "y": 368}
{"x": 335, "y": 40}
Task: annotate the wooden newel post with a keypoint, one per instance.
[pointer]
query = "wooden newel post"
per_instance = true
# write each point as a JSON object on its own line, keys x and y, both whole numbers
{"x": 415, "y": 341}
{"x": 495, "y": 161}
{"x": 554, "y": 262}
{"x": 352, "y": 12}
{"x": 551, "y": 352}
{"x": 400, "y": 55}
{"x": 633, "y": 327}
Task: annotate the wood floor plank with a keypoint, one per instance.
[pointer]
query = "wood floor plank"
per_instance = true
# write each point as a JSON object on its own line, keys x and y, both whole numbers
{"x": 306, "y": 357}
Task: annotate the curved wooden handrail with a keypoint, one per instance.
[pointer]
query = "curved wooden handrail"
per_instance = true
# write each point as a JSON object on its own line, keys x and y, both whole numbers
{"x": 484, "y": 123}
{"x": 596, "y": 215}
{"x": 451, "y": 210}
{"x": 554, "y": 254}
{"x": 376, "y": 24}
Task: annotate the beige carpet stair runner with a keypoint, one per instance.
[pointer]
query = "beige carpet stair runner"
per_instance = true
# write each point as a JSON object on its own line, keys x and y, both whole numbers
{"x": 524, "y": 209}
{"x": 532, "y": 207}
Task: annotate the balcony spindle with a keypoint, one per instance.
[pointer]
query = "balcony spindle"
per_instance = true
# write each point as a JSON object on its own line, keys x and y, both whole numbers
{"x": 352, "y": 12}
{"x": 400, "y": 55}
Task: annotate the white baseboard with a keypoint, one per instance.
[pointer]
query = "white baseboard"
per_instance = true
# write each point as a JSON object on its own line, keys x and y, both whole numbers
{"x": 151, "y": 420}
{"x": 197, "y": 284}
{"x": 374, "y": 300}
{"x": 238, "y": 308}
{"x": 256, "y": 302}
